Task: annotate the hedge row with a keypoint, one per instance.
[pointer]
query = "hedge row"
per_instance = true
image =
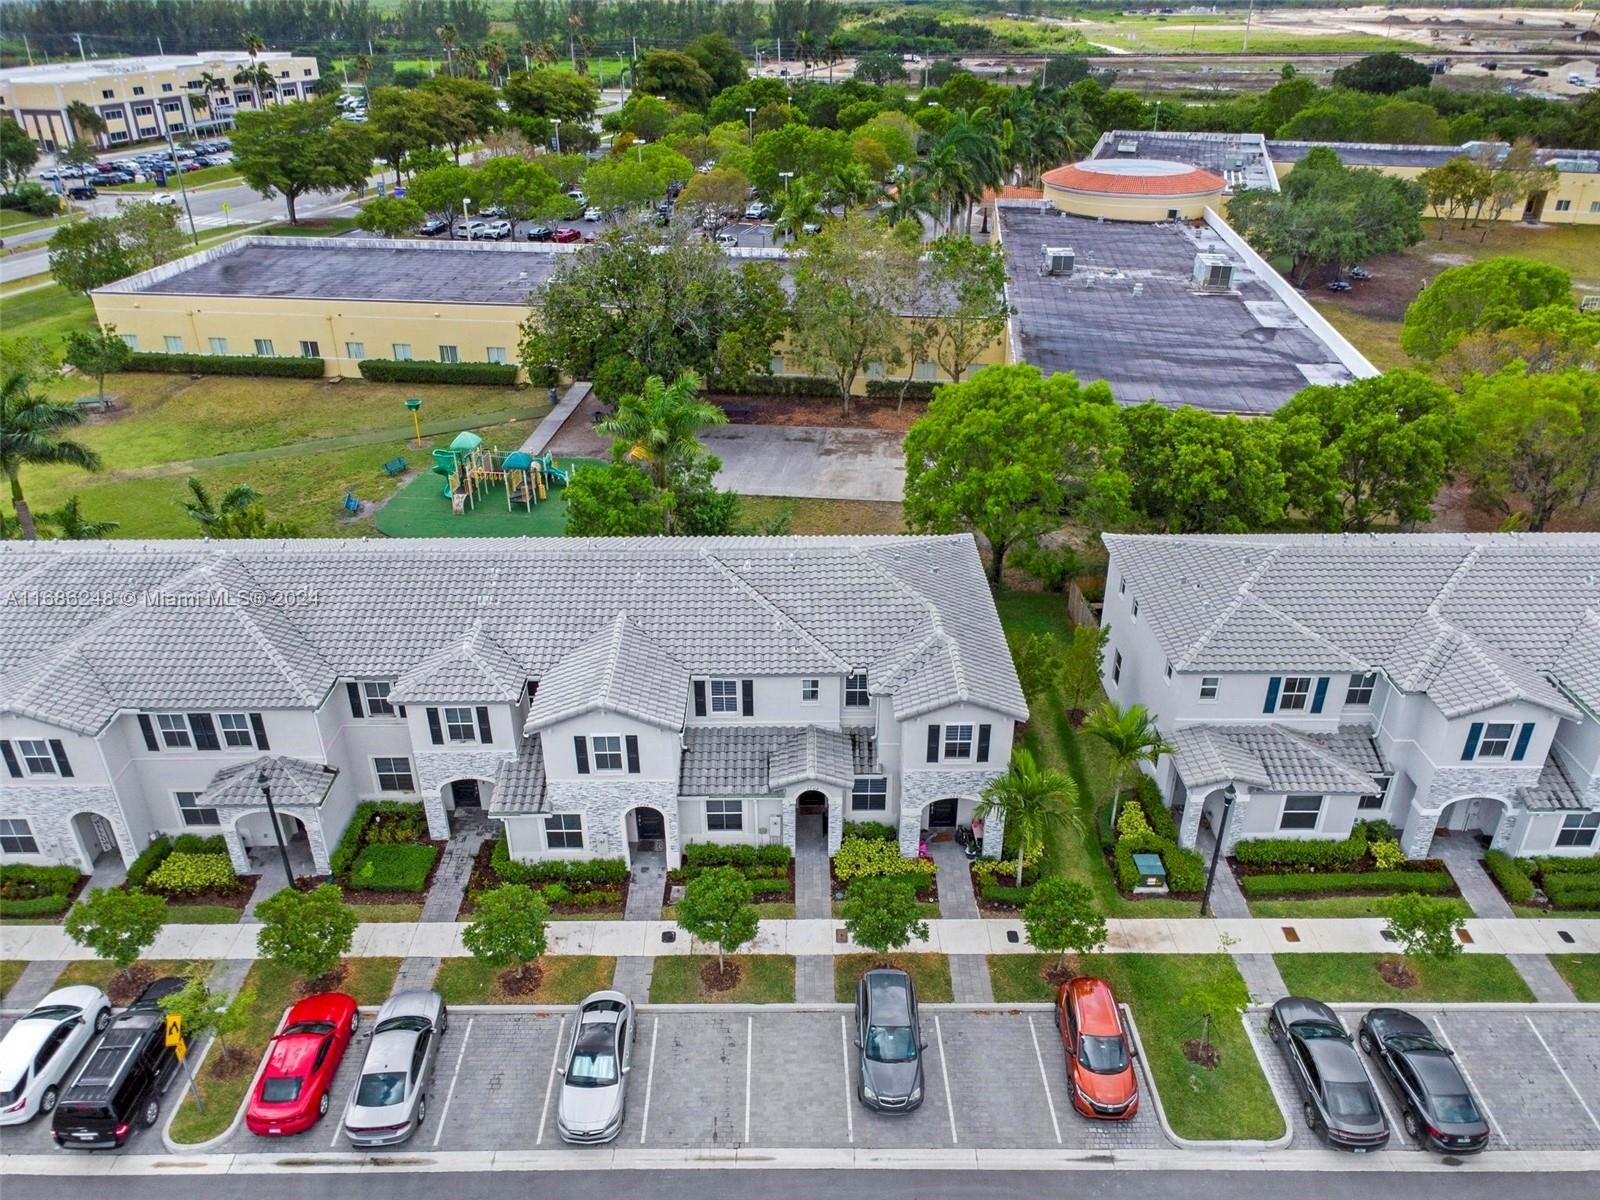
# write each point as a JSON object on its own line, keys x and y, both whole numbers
{"x": 227, "y": 364}
{"x": 560, "y": 893}
{"x": 871, "y": 831}
{"x": 1000, "y": 893}
{"x": 1568, "y": 866}
{"x": 1508, "y": 873}
{"x": 574, "y": 872}
{"x": 918, "y": 390}
{"x": 1004, "y": 871}
{"x": 350, "y": 842}
{"x": 391, "y": 370}
{"x": 393, "y": 868}
{"x": 27, "y": 891}
{"x": 1305, "y": 855}
{"x": 1334, "y": 883}
{"x": 36, "y": 906}
{"x": 698, "y": 855}
{"x": 1156, "y": 811}
{"x": 779, "y": 385}
{"x": 1186, "y": 870}
{"x": 188, "y": 874}
{"x": 157, "y": 852}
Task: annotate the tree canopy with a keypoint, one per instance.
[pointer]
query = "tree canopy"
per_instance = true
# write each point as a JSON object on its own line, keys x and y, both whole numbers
{"x": 1536, "y": 436}
{"x": 1384, "y": 73}
{"x": 1194, "y": 471}
{"x": 292, "y": 149}
{"x": 1492, "y": 294}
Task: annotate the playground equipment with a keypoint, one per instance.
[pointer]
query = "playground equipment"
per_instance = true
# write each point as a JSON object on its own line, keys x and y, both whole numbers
{"x": 470, "y": 469}
{"x": 548, "y": 463}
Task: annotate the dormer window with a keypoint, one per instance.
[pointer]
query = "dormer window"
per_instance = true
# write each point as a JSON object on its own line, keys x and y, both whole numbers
{"x": 376, "y": 693}
{"x": 607, "y": 749}
{"x": 1359, "y": 694}
{"x": 1295, "y": 693}
{"x": 724, "y": 697}
{"x": 1496, "y": 740}
{"x": 855, "y": 691}
{"x": 459, "y": 725}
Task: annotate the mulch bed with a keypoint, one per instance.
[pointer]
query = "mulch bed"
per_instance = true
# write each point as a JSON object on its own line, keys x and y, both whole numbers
{"x": 1396, "y": 974}
{"x": 723, "y": 980}
{"x": 236, "y": 898}
{"x": 126, "y": 984}
{"x": 865, "y": 413}
{"x": 330, "y": 982}
{"x": 528, "y": 982}
{"x": 1202, "y": 1054}
{"x": 483, "y": 877}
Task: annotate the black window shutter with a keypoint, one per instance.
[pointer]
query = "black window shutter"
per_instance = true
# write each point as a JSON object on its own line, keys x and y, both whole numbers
{"x": 13, "y": 767}
{"x": 933, "y": 743}
{"x": 747, "y": 689}
{"x": 633, "y": 754}
{"x": 353, "y": 690}
{"x": 580, "y": 747}
{"x": 60, "y": 753}
{"x": 485, "y": 732}
{"x": 699, "y": 697}
{"x": 205, "y": 731}
{"x": 260, "y": 727}
{"x": 434, "y": 731}
{"x": 149, "y": 731}
{"x": 1474, "y": 732}
{"x": 1524, "y": 736}
{"x": 1321, "y": 694}
{"x": 983, "y": 742}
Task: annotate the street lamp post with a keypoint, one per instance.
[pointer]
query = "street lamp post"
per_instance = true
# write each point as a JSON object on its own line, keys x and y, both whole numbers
{"x": 750, "y": 115}
{"x": 1229, "y": 795}
{"x": 466, "y": 220}
{"x": 558, "y": 135}
{"x": 785, "y": 176}
{"x": 277, "y": 830}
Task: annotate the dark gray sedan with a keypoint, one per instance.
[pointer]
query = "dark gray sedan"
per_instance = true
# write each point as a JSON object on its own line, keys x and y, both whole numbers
{"x": 390, "y": 1101}
{"x": 1436, "y": 1105}
{"x": 889, "y": 1036}
{"x": 1341, "y": 1104}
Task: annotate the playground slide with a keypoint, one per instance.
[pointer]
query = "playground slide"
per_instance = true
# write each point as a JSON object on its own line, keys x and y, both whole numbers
{"x": 548, "y": 462}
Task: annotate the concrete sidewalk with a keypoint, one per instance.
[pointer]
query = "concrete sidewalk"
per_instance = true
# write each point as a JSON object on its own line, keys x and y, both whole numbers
{"x": 621, "y": 938}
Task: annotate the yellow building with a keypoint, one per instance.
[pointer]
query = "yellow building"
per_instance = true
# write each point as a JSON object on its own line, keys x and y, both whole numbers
{"x": 145, "y": 97}
{"x": 344, "y": 300}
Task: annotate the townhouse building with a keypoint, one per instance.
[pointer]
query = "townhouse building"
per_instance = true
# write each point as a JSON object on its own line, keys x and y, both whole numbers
{"x": 1443, "y": 683}
{"x": 597, "y": 697}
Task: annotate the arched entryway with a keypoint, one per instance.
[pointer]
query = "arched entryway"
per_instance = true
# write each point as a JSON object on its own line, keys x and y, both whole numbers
{"x": 811, "y": 808}
{"x": 261, "y": 846}
{"x": 1471, "y": 819}
{"x": 942, "y": 814}
{"x": 466, "y": 803}
{"x": 645, "y": 829}
{"x": 98, "y": 851}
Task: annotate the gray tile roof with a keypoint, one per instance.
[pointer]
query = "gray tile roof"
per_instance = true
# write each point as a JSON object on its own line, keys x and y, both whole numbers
{"x": 1268, "y": 758}
{"x": 475, "y": 667}
{"x": 1471, "y": 620}
{"x": 620, "y": 669}
{"x": 382, "y": 609}
{"x": 294, "y": 781}
{"x": 760, "y": 760}
{"x": 1554, "y": 791}
{"x": 519, "y": 783}
{"x": 814, "y": 755}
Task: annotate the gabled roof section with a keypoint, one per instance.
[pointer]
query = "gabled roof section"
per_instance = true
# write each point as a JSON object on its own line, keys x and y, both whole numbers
{"x": 1578, "y": 662}
{"x": 1266, "y": 758}
{"x": 620, "y": 669}
{"x": 1462, "y": 675}
{"x": 475, "y": 667}
{"x": 294, "y": 782}
{"x": 762, "y": 760}
{"x": 813, "y": 755}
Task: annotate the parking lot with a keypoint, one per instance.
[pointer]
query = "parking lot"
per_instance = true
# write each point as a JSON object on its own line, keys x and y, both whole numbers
{"x": 747, "y": 233}
{"x": 1535, "y": 1071}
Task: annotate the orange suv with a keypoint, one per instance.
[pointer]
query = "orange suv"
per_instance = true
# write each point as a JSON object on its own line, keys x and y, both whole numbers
{"x": 1100, "y": 1076}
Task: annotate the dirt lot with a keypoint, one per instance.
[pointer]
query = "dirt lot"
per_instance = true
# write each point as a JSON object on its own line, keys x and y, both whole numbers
{"x": 817, "y": 411}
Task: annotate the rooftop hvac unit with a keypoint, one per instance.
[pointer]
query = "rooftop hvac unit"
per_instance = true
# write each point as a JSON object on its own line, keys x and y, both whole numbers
{"x": 1213, "y": 273}
{"x": 1235, "y": 162}
{"x": 1058, "y": 260}
{"x": 1127, "y": 146}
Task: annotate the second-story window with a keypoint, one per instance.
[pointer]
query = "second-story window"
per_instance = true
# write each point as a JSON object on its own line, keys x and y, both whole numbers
{"x": 810, "y": 689}
{"x": 1295, "y": 693}
{"x": 1360, "y": 690}
{"x": 607, "y": 750}
{"x": 376, "y": 693}
{"x": 36, "y": 756}
{"x": 1116, "y": 666}
{"x": 1209, "y": 685}
{"x": 855, "y": 691}
{"x": 174, "y": 730}
{"x": 235, "y": 730}
{"x": 459, "y": 726}
{"x": 725, "y": 696}
{"x": 1496, "y": 740}
{"x": 394, "y": 774}
{"x": 958, "y": 741}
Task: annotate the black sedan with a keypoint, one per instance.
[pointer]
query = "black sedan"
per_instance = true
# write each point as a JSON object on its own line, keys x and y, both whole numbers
{"x": 1341, "y": 1104}
{"x": 541, "y": 233}
{"x": 1436, "y": 1105}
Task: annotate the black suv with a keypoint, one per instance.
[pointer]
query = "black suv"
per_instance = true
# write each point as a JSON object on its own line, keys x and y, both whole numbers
{"x": 124, "y": 1079}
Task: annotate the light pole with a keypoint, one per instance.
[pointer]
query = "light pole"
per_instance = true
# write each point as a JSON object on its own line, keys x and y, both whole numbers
{"x": 785, "y": 176}
{"x": 466, "y": 220}
{"x": 558, "y": 135}
{"x": 183, "y": 190}
{"x": 750, "y": 115}
{"x": 1229, "y": 795}
{"x": 277, "y": 830}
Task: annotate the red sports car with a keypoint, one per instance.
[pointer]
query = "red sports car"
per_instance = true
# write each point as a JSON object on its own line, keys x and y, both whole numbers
{"x": 292, "y": 1094}
{"x": 567, "y": 234}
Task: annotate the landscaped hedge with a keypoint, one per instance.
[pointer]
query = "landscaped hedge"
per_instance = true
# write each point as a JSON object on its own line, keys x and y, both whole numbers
{"x": 784, "y": 386}
{"x": 1552, "y": 865}
{"x": 1156, "y": 813}
{"x": 699, "y": 855}
{"x": 404, "y": 814}
{"x": 861, "y": 858}
{"x": 1570, "y": 882}
{"x": 1004, "y": 871}
{"x": 27, "y": 891}
{"x": 572, "y": 872}
{"x": 185, "y": 874}
{"x": 151, "y": 857}
{"x": 1010, "y": 896}
{"x": 919, "y": 390}
{"x": 391, "y": 370}
{"x": 1508, "y": 873}
{"x": 1333, "y": 883}
{"x": 1305, "y": 855}
{"x": 227, "y": 364}
{"x": 393, "y": 867}
{"x": 1186, "y": 870}
{"x": 872, "y": 831}
{"x": 560, "y": 893}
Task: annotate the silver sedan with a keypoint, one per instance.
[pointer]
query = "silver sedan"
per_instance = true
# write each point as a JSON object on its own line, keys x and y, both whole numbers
{"x": 594, "y": 1081}
{"x": 390, "y": 1101}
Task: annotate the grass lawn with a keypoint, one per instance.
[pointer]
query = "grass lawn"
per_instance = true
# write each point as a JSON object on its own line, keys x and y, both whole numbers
{"x": 48, "y": 313}
{"x": 1335, "y": 906}
{"x": 1534, "y": 912}
{"x": 930, "y": 973}
{"x": 1582, "y": 971}
{"x": 227, "y": 173}
{"x": 763, "y": 979}
{"x": 309, "y": 227}
{"x": 1232, "y": 1101}
{"x": 14, "y": 221}
{"x": 816, "y": 516}
{"x": 567, "y": 979}
{"x": 1378, "y": 339}
{"x": 11, "y": 970}
{"x": 98, "y": 971}
{"x": 370, "y": 980}
{"x": 387, "y": 913}
{"x": 1332, "y": 977}
{"x": 203, "y": 914}
{"x": 419, "y": 509}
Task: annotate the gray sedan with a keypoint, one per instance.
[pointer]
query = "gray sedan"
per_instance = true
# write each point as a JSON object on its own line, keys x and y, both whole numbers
{"x": 1340, "y": 1103}
{"x": 390, "y": 1100}
{"x": 594, "y": 1081}
{"x": 889, "y": 1036}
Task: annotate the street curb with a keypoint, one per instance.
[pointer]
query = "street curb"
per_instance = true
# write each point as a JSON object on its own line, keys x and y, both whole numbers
{"x": 238, "y": 1117}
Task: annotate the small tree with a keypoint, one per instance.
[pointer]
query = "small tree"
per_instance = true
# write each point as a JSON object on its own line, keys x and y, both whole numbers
{"x": 1426, "y": 927}
{"x": 1028, "y": 799}
{"x": 508, "y": 927}
{"x": 306, "y": 931}
{"x": 98, "y": 352}
{"x": 882, "y": 914}
{"x": 716, "y": 908}
{"x": 1037, "y": 657}
{"x": 1080, "y": 668}
{"x": 1060, "y": 915}
{"x": 117, "y": 925}
{"x": 205, "y": 1010}
{"x": 1132, "y": 737}
{"x": 1219, "y": 994}
{"x": 389, "y": 216}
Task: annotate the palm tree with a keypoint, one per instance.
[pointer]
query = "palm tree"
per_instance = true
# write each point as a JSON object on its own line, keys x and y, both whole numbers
{"x": 85, "y": 120}
{"x": 1029, "y": 799}
{"x": 30, "y": 433}
{"x": 254, "y": 44}
{"x": 972, "y": 140}
{"x": 1130, "y": 734}
{"x": 203, "y": 509}
{"x": 833, "y": 52}
{"x": 849, "y": 185}
{"x": 495, "y": 58}
{"x": 806, "y": 47}
{"x": 530, "y": 51}
{"x": 800, "y": 206}
{"x": 72, "y": 526}
{"x": 913, "y": 199}
{"x": 363, "y": 68}
{"x": 660, "y": 425}
{"x": 447, "y": 36}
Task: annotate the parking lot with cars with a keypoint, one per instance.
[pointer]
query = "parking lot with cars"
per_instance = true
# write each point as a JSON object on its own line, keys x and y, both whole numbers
{"x": 1534, "y": 1072}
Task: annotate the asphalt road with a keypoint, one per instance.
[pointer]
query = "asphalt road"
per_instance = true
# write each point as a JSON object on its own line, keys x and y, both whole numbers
{"x": 1465, "y": 1184}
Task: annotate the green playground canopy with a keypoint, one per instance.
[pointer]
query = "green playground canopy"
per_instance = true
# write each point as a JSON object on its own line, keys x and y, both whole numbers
{"x": 518, "y": 460}
{"x": 466, "y": 441}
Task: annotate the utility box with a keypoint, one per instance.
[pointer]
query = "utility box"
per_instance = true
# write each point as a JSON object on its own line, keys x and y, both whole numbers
{"x": 1152, "y": 874}
{"x": 1213, "y": 273}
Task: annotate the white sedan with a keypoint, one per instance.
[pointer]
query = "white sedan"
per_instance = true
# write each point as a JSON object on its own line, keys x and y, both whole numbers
{"x": 594, "y": 1081}
{"x": 39, "y": 1050}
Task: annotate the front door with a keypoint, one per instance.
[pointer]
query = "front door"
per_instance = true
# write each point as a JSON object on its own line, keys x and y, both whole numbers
{"x": 942, "y": 814}
{"x": 649, "y": 825}
{"x": 103, "y": 834}
{"x": 464, "y": 794}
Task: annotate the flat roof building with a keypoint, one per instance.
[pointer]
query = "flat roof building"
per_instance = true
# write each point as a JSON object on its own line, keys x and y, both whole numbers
{"x": 1142, "y": 189}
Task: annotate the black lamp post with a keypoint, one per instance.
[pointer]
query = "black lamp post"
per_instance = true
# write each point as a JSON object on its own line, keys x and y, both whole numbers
{"x": 1228, "y": 797}
{"x": 277, "y": 830}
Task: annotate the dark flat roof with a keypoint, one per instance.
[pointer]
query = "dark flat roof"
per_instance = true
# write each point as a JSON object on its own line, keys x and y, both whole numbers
{"x": 1129, "y": 314}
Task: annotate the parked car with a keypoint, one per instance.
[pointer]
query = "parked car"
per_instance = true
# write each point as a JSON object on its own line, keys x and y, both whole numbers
{"x": 466, "y": 230}
{"x": 494, "y": 210}
{"x": 390, "y": 1100}
{"x": 594, "y": 1081}
{"x": 1339, "y": 285}
{"x": 577, "y": 195}
{"x": 1340, "y": 1103}
{"x": 1436, "y": 1105}
{"x": 82, "y": 191}
{"x": 491, "y": 231}
{"x": 593, "y": 214}
{"x": 566, "y": 234}
{"x": 541, "y": 233}
{"x": 292, "y": 1093}
{"x": 1360, "y": 273}
{"x": 889, "y": 1036}
{"x": 1101, "y": 1082}
{"x": 756, "y": 211}
{"x": 433, "y": 226}
{"x": 122, "y": 1083}
{"x": 39, "y": 1050}
{"x": 727, "y": 239}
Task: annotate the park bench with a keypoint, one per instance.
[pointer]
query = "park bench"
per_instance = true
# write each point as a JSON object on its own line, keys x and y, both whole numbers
{"x": 394, "y": 466}
{"x": 94, "y": 404}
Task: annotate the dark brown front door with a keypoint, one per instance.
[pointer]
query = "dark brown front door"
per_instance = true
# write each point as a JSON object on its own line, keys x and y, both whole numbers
{"x": 649, "y": 825}
{"x": 464, "y": 794}
{"x": 942, "y": 814}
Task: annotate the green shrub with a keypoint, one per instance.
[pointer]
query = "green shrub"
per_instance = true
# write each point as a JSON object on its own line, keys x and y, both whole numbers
{"x": 194, "y": 874}
{"x": 390, "y": 370}
{"x": 1572, "y": 890}
{"x": 193, "y": 843}
{"x": 598, "y": 898}
{"x": 35, "y": 906}
{"x": 572, "y": 872}
{"x": 1004, "y": 871}
{"x": 1011, "y": 897}
{"x": 1379, "y": 830}
{"x": 1155, "y": 810}
{"x": 1506, "y": 871}
{"x": 1334, "y": 883}
{"x": 859, "y": 858}
{"x": 393, "y": 868}
{"x": 1568, "y": 866}
{"x": 1131, "y": 824}
{"x": 400, "y": 812}
{"x": 28, "y": 891}
{"x": 1309, "y": 855}
{"x": 783, "y": 386}
{"x": 226, "y": 364}
{"x": 1186, "y": 870}
{"x": 151, "y": 857}
{"x": 1127, "y": 874}
{"x": 769, "y": 887}
{"x": 872, "y": 831}
{"x": 700, "y": 855}
{"x": 32, "y": 198}
{"x": 1387, "y": 855}
{"x": 918, "y": 390}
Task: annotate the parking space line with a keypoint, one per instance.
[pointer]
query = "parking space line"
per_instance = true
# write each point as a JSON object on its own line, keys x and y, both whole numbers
{"x": 1044, "y": 1078}
{"x": 1477, "y": 1092}
{"x": 450, "y": 1095}
{"x": 1581, "y": 1101}
{"x": 849, "y": 1092}
{"x": 944, "y": 1070}
{"x": 650, "y": 1078}
{"x": 550, "y": 1084}
{"x": 749, "y": 1053}
{"x": 1380, "y": 1085}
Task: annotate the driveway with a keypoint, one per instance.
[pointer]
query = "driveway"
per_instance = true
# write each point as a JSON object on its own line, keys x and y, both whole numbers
{"x": 810, "y": 461}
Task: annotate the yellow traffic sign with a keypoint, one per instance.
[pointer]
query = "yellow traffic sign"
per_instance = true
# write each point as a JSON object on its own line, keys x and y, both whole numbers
{"x": 174, "y": 1029}
{"x": 181, "y": 1049}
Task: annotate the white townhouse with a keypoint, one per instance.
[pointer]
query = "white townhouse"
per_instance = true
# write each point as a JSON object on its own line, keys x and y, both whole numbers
{"x": 1437, "y": 681}
{"x": 595, "y": 696}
